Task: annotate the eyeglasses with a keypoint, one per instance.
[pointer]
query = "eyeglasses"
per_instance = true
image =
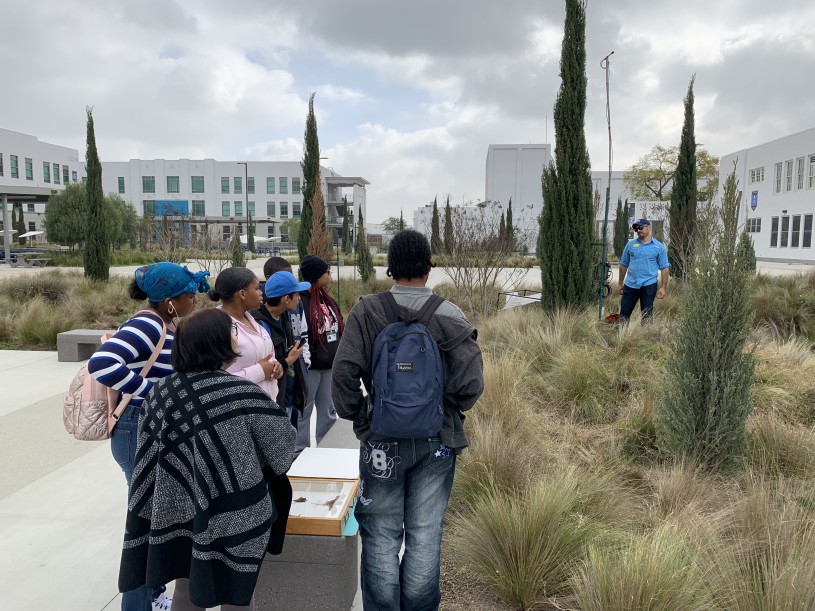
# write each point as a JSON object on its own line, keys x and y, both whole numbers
{"x": 639, "y": 227}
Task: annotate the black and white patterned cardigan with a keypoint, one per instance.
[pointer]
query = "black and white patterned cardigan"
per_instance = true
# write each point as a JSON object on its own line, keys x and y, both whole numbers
{"x": 199, "y": 507}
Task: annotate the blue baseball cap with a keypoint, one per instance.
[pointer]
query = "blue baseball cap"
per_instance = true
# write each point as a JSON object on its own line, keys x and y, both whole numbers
{"x": 284, "y": 283}
{"x": 640, "y": 223}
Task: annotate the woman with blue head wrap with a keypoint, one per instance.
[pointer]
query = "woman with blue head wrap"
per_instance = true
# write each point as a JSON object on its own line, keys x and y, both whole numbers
{"x": 170, "y": 292}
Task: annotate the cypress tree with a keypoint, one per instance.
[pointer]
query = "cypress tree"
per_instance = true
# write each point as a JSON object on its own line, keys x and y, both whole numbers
{"x": 365, "y": 262}
{"x": 346, "y": 229}
{"x": 236, "y": 251}
{"x": 401, "y": 220}
{"x": 311, "y": 177}
{"x": 567, "y": 219}
{"x": 449, "y": 240}
{"x": 708, "y": 390}
{"x": 510, "y": 228}
{"x": 747, "y": 252}
{"x": 18, "y": 222}
{"x": 682, "y": 230}
{"x": 250, "y": 235}
{"x": 620, "y": 229}
{"x": 96, "y": 257}
{"x": 502, "y": 230}
{"x": 436, "y": 245}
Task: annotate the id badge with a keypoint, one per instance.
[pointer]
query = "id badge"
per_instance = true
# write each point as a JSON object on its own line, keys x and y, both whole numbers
{"x": 331, "y": 336}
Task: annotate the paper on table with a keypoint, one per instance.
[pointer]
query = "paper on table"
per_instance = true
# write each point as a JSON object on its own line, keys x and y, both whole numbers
{"x": 326, "y": 463}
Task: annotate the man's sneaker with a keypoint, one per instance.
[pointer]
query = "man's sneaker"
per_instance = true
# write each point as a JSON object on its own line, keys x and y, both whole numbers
{"x": 162, "y": 603}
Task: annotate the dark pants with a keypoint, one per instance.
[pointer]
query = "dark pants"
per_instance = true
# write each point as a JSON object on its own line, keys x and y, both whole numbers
{"x": 645, "y": 295}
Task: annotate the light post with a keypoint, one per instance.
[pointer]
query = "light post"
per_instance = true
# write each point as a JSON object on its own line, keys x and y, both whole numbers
{"x": 351, "y": 237}
{"x": 246, "y": 198}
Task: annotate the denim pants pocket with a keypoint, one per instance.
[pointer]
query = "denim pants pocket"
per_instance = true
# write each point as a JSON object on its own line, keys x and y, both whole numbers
{"x": 440, "y": 458}
{"x": 380, "y": 459}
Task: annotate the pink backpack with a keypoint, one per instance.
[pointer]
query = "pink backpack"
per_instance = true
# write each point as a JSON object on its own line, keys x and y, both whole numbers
{"x": 91, "y": 409}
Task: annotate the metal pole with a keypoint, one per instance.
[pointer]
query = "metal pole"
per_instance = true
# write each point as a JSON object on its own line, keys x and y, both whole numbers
{"x": 6, "y": 232}
{"x": 246, "y": 197}
{"x": 604, "y": 260}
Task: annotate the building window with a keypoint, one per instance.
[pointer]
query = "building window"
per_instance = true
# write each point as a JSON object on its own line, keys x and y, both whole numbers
{"x": 225, "y": 208}
{"x": 284, "y": 210}
{"x": 270, "y": 185}
{"x": 799, "y": 173}
{"x": 250, "y": 185}
{"x": 46, "y": 171}
{"x": 224, "y": 185}
{"x": 270, "y": 230}
{"x": 173, "y": 184}
{"x": 1, "y": 164}
{"x": 796, "y": 230}
{"x": 270, "y": 210}
{"x": 198, "y": 207}
{"x": 15, "y": 170}
{"x": 121, "y": 184}
{"x": 29, "y": 169}
{"x": 149, "y": 206}
{"x": 753, "y": 225}
{"x": 785, "y": 231}
{"x": 774, "y": 232}
{"x": 788, "y": 175}
{"x": 252, "y": 209}
{"x": 56, "y": 173}
{"x": 32, "y": 226}
{"x": 807, "y": 241}
{"x": 295, "y": 186}
{"x": 148, "y": 184}
{"x": 284, "y": 186}
{"x": 778, "y": 178}
{"x": 65, "y": 175}
{"x": 238, "y": 182}
{"x": 225, "y": 233}
{"x": 29, "y": 208}
{"x": 812, "y": 171}
{"x": 197, "y": 184}
{"x": 238, "y": 208}
{"x": 295, "y": 210}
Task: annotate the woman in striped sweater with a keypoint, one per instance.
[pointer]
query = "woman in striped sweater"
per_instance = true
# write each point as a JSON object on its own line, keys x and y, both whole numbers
{"x": 170, "y": 290}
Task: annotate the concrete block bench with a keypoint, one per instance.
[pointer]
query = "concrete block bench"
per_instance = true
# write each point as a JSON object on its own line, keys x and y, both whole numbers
{"x": 79, "y": 344}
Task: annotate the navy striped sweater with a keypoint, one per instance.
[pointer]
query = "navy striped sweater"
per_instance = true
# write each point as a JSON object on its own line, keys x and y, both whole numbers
{"x": 119, "y": 360}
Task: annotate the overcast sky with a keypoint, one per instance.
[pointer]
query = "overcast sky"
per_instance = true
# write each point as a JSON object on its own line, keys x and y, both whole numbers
{"x": 409, "y": 93}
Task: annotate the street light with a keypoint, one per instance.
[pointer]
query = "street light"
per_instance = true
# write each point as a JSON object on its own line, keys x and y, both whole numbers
{"x": 246, "y": 198}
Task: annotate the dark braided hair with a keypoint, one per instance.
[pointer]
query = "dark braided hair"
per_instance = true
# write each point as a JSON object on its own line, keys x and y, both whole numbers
{"x": 316, "y": 315}
{"x": 409, "y": 256}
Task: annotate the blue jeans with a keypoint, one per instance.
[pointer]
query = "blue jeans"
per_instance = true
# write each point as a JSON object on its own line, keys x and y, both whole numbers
{"x": 404, "y": 489}
{"x": 645, "y": 295}
{"x": 123, "y": 447}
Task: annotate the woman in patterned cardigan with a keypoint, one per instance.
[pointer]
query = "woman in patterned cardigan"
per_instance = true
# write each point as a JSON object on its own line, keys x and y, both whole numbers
{"x": 200, "y": 510}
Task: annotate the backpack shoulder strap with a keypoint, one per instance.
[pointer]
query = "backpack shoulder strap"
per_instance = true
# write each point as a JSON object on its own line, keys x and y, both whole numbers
{"x": 390, "y": 305}
{"x": 429, "y": 308}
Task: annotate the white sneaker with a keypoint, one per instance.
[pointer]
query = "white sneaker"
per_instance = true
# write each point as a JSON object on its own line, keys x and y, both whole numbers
{"x": 162, "y": 603}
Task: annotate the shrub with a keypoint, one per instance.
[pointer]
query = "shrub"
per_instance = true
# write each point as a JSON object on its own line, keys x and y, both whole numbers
{"x": 778, "y": 449}
{"x": 39, "y": 324}
{"x": 581, "y": 381}
{"x": 658, "y": 572}
{"x": 51, "y": 286}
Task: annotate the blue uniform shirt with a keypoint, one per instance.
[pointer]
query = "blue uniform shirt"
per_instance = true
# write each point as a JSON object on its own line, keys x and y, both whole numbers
{"x": 644, "y": 262}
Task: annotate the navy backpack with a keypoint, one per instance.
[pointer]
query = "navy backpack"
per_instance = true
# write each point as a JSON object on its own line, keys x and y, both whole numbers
{"x": 407, "y": 394}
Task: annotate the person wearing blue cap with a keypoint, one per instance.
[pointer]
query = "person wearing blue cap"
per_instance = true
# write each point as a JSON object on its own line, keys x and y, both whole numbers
{"x": 282, "y": 299}
{"x": 120, "y": 364}
{"x": 643, "y": 264}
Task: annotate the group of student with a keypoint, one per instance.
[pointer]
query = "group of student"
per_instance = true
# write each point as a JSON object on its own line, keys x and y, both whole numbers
{"x": 282, "y": 337}
{"x": 216, "y": 421}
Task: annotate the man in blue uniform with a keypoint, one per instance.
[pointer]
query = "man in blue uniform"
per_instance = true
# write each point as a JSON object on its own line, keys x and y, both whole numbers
{"x": 644, "y": 272}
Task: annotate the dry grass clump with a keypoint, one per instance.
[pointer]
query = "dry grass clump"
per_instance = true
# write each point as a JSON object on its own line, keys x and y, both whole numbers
{"x": 779, "y": 449}
{"x": 52, "y": 287}
{"x": 39, "y": 323}
{"x": 785, "y": 378}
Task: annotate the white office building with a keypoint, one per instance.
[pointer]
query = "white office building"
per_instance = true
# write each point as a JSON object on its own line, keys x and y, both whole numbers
{"x": 218, "y": 196}
{"x": 30, "y": 171}
{"x": 777, "y": 183}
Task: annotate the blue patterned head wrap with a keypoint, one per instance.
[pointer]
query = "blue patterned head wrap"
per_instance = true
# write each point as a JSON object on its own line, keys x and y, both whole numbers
{"x": 166, "y": 280}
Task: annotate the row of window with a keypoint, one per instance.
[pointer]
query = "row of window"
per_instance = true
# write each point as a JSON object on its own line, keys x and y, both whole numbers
{"x": 50, "y": 171}
{"x": 792, "y": 172}
{"x": 14, "y": 167}
{"x": 198, "y": 208}
{"x": 226, "y": 231}
{"x": 32, "y": 226}
{"x": 148, "y": 184}
{"x": 791, "y": 234}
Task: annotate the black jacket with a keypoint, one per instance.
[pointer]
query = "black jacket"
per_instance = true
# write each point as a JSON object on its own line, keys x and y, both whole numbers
{"x": 282, "y": 343}
{"x": 322, "y": 352}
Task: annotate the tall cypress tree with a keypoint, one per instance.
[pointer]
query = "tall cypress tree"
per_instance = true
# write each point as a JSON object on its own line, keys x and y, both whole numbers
{"x": 502, "y": 229}
{"x": 311, "y": 177}
{"x": 510, "y": 228}
{"x": 435, "y": 234}
{"x": 96, "y": 256}
{"x": 365, "y": 262}
{"x": 18, "y": 222}
{"x": 567, "y": 220}
{"x": 620, "y": 229}
{"x": 401, "y": 220}
{"x": 346, "y": 229}
{"x": 682, "y": 230}
{"x": 449, "y": 240}
{"x": 250, "y": 235}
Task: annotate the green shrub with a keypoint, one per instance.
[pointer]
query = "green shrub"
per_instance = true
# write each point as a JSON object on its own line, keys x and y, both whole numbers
{"x": 52, "y": 286}
{"x": 582, "y": 381}
{"x": 658, "y": 572}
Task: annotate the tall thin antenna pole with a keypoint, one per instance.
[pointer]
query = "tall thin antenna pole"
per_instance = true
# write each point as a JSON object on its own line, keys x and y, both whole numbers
{"x": 601, "y": 273}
